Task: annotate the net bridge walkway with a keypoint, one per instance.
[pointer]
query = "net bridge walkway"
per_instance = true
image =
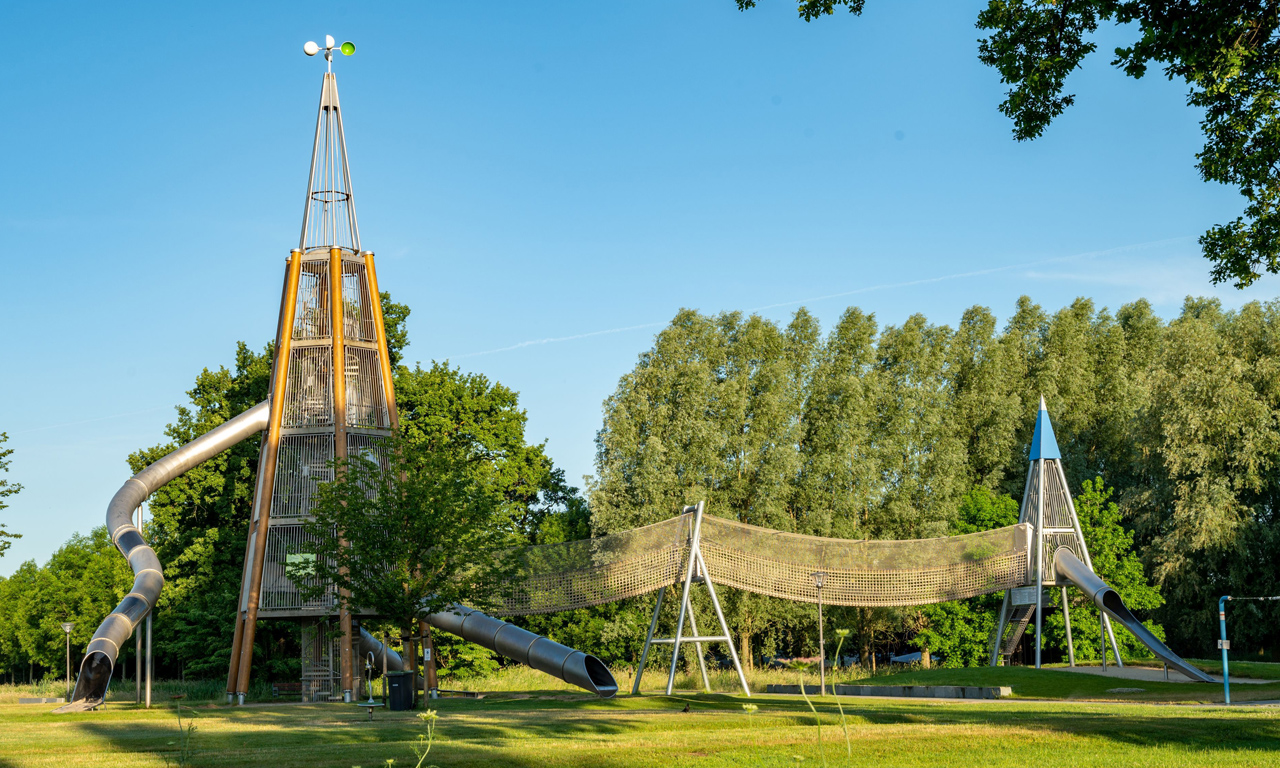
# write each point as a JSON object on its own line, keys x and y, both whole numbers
{"x": 857, "y": 572}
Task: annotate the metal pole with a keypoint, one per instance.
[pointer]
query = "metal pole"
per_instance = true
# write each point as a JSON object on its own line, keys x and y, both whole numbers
{"x": 68, "y": 666}
{"x": 137, "y": 667}
{"x": 1111, "y": 634}
{"x": 1039, "y": 562}
{"x": 1104, "y": 638}
{"x": 724, "y": 626}
{"x": 1000, "y": 625}
{"x": 648, "y": 640}
{"x": 1222, "y": 624}
{"x": 1066, "y": 617}
{"x": 702, "y": 662}
{"x": 822, "y": 643}
{"x": 684, "y": 597}
{"x": 150, "y": 664}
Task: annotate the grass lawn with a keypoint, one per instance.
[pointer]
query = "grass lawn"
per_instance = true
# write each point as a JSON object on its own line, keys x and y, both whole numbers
{"x": 557, "y": 728}
{"x": 1057, "y": 683}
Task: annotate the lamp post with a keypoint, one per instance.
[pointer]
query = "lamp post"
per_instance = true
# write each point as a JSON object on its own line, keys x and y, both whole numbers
{"x": 818, "y": 579}
{"x": 67, "y": 626}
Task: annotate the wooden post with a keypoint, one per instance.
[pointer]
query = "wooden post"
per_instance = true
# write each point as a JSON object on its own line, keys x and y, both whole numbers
{"x": 384, "y": 354}
{"x": 233, "y": 671}
{"x": 243, "y": 655}
{"x": 410, "y": 648}
{"x": 429, "y": 660}
{"x": 337, "y": 321}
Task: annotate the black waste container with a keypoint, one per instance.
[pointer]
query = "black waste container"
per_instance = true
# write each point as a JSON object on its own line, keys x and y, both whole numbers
{"x": 399, "y": 691}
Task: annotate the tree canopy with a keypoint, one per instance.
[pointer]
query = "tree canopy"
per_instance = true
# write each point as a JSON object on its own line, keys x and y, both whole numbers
{"x": 7, "y": 489}
{"x": 922, "y": 430}
{"x": 1227, "y": 52}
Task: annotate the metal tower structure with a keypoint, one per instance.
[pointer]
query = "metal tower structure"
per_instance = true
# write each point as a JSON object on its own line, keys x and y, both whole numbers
{"x": 331, "y": 397}
{"x": 1047, "y": 506}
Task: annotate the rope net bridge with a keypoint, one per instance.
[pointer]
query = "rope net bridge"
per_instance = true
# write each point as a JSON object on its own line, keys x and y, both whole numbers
{"x": 857, "y": 572}
{"x": 692, "y": 549}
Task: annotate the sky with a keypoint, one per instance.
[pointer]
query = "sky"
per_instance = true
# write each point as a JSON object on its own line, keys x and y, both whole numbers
{"x": 545, "y": 185}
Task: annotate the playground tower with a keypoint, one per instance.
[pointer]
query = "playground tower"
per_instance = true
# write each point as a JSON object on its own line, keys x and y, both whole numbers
{"x": 1048, "y": 508}
{"x": 331, "y": 397}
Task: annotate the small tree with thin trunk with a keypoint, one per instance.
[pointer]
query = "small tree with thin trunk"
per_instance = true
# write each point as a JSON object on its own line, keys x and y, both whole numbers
{"x": 6, "y": 489}
{"x": 405, "y": 536}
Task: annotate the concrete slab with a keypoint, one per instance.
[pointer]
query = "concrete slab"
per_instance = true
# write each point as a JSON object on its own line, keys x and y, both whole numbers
{"x": 904, "y": 691}
{"x": 1151, "y": 674}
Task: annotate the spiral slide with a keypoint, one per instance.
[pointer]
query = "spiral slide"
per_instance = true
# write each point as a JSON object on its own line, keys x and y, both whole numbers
{"x": 1070, "y": 567}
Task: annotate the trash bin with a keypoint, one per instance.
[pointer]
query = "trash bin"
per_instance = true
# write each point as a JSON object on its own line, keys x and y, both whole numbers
{"x": 399, "y": 691}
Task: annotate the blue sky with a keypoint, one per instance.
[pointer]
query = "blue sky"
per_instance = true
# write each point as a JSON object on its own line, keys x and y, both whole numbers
{"x": 545, "y": 185}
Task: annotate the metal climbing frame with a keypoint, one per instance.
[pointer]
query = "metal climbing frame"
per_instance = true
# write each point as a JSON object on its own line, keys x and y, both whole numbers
{"x": 1048, "y": 508}
{"x": 695, "y": 571}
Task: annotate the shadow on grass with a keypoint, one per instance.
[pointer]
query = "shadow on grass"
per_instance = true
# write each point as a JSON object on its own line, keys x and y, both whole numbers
{"x": 499, "y": 729}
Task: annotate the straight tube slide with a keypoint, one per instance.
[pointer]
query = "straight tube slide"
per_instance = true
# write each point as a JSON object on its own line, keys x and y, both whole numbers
{"x": 100, "y": 656}
{"x": 580, "y": 669}
{"x": 1070, "y": 567}
{"x": 372, "y": 645}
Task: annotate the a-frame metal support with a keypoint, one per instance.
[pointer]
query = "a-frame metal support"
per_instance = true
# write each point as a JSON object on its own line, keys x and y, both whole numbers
{"x": 695, "y": 572}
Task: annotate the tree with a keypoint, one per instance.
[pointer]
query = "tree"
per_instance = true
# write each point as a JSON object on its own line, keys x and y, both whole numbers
{"x": 1226, "y": 51}
{"x": 443, "y": 409}
{"x": 394, "y": 319}
{"x": 413, "y": 537}
{"x": 7, "y": 489}
{"x": 466, "y": 484}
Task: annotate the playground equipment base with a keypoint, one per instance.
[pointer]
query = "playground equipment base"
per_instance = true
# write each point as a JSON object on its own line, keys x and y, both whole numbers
{"x": 905, "y": 691}
{"x": 1154, "y": 674}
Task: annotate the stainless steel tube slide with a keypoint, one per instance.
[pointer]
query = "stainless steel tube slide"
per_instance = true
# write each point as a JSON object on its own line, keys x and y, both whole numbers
{"x": 576, "y": 667}
{"x": 100, "y": 656}
{"x": 370, "y": 644}
{"x": 1070, "y": 567}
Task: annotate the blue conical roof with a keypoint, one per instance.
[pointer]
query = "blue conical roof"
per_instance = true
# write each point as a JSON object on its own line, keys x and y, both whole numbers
{"x": 1043, "y": 444}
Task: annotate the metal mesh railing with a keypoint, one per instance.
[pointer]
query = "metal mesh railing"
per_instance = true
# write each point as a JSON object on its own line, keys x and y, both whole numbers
{"x": 311, "y": 314}
{"x": 287, "y": 547}
{"x": 371, "y": 447}
{"x": 321, "y": 661}
{"x": 366, "y": 401}
{"x": 357, "y": 308}
{"x": 302, "y": 464}
{"x": 308, "y": 392}
{"x": 1057, "y": 502}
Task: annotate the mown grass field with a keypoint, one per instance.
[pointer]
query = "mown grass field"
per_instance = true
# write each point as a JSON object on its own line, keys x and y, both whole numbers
{"x": 553, "y": 727}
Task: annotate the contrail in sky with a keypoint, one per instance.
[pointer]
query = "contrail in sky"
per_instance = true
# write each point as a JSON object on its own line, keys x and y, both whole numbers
{"x": 854, "y": 292}
{"x": 90, "y": 421}
{"x": 793, "y": 302}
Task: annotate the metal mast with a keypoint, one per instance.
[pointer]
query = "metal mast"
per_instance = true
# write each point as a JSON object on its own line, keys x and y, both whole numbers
{"x": 331, "y": 397}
